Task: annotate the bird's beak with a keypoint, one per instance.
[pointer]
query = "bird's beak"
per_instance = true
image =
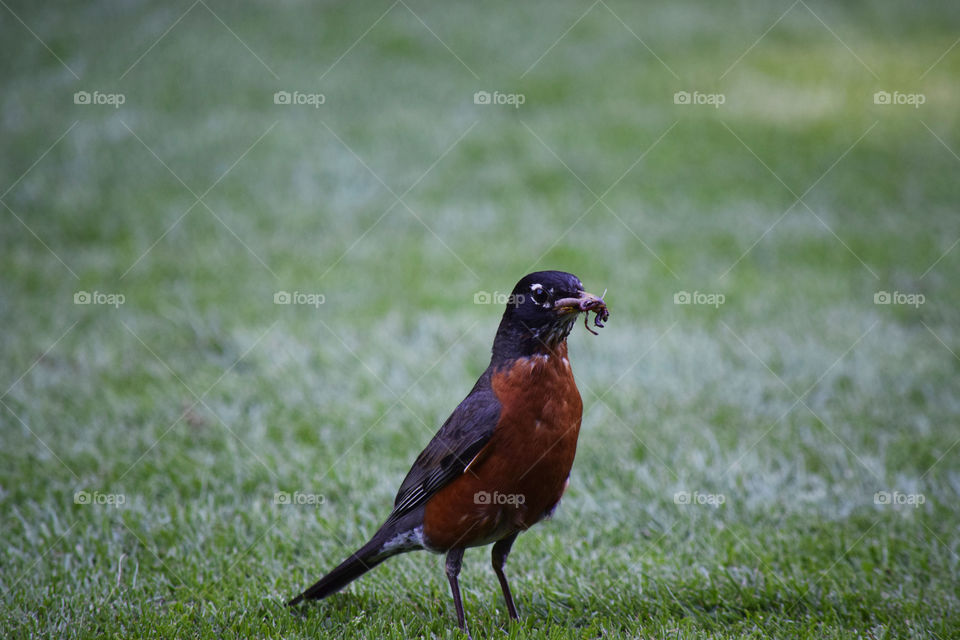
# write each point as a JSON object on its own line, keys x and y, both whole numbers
{"x": 584, "y": 302}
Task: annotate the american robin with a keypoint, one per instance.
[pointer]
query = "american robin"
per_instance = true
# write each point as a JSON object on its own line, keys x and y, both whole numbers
{"x": 502, "y": 460}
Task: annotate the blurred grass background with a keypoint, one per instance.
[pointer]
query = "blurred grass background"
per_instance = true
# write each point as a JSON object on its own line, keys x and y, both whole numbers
{"x": 198, "y": 399}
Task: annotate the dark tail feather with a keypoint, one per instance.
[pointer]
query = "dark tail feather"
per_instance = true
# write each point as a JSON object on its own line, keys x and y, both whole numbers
{"x": 364, "y": 559}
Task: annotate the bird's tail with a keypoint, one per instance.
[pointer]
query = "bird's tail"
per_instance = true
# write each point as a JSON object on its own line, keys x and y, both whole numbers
{"x": 364, "y": 559}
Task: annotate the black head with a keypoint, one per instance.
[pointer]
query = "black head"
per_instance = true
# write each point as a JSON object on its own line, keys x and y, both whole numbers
{"x": 541, "y": 312}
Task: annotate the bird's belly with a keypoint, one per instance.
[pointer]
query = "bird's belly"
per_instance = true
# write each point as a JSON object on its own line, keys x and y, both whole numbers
{"x": 521, "y": 473}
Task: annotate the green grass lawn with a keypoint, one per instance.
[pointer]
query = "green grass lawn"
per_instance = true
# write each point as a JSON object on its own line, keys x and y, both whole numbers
{"x": 798, "y": 404}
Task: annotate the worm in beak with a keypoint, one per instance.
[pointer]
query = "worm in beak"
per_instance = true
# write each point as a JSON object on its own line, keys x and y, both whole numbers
{"x": 586, "y": 303}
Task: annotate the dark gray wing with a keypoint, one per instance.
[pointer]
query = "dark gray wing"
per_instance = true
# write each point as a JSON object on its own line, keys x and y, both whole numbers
{"x": 460, "y": 438}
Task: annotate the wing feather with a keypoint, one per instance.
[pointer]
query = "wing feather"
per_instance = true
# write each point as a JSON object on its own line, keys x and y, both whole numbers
{"x": 454, "y": 446}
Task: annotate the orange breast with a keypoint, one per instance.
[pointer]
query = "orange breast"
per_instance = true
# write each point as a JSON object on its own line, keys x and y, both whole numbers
{"x": 522, "y": 471}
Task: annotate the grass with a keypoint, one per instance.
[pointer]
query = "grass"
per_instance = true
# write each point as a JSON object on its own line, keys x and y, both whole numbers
{"x": 197, "y": 400}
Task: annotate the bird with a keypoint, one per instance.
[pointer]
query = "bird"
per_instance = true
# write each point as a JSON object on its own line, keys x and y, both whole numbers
{"x": 502, "y": 460}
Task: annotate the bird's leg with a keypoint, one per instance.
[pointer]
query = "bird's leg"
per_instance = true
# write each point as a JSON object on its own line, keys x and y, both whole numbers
{"x": 499, "y": 558}
{"x": 454, "y": 560}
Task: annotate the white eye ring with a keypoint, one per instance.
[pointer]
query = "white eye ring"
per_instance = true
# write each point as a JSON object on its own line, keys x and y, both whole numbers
{"x": 537, "y": 289}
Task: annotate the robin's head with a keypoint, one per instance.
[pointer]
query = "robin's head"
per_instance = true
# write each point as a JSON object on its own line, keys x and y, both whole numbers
{"x": 541, "y": 312}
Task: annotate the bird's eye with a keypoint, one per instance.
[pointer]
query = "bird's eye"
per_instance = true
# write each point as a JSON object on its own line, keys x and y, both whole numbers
{"x": 540, "y": 296}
